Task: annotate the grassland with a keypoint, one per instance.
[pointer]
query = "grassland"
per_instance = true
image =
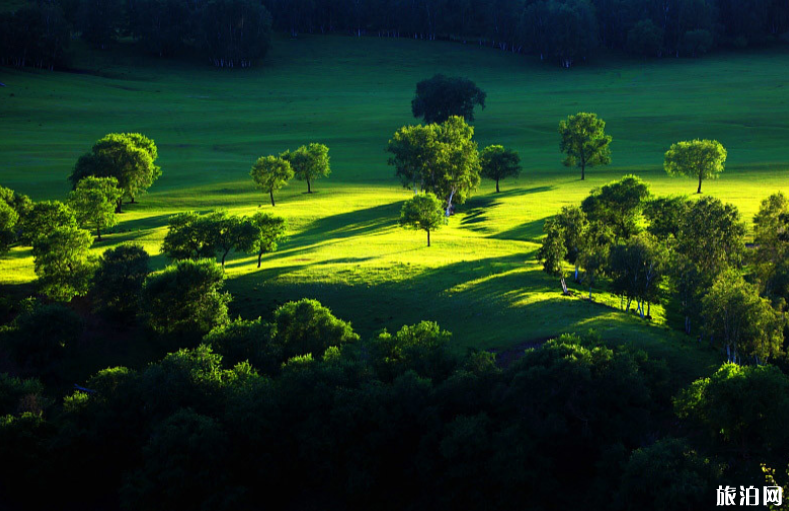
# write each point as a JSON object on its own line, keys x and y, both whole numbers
{"x": 480, "y": 280}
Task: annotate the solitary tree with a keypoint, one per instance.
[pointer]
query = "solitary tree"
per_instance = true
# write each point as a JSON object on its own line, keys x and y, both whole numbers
{"x": 702, "y": 159}
{"x": 189, "y": 236}
{"x": 270, "y": 231}
{"x": 499, "y": 163}
{"x": 440, "y": 97}
{"x": 552, "y": 252}
{"x": 309, "y": 163}
{"x": 584, "y": 142}
{"x": 63, "y": 262}
{"x": 423, "y": 212}
{"x": 94, "y": 201}
{"x": 271, "y": 173}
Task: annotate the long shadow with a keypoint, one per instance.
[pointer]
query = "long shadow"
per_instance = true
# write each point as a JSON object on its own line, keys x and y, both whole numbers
{"x": 529, "y": 231}
{"x": 476, "y": 209}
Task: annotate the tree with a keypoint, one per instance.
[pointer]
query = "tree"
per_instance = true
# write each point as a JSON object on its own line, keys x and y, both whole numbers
{"x": 270, "y": 232}
{"x": 771, "y": 237}
{"x": 665, "y": 476}
{"x": 422, "y": 212}
{"x": 94, "y": 201}
{"x": 8, "y": 226}
{"x": 98, "y": 21}
{"x": 117, "y": 284}
{"x": 44, "y": 217}
{"x": 731, "y": 406}
{"x": 552, "y": 252}
{"x": 584, "y": 142}
{"x": 593, "y": 260}
{"x": 619, "y": 204}
{"x": 439, "y": 158}
{"x": 186, "y": 298}
{"x": 572, "y": 220}
{"x": 441, "y": 97}
{"x": 309, "y": 163}
{"x": 712, "y": 236}
{"x": 666, "y": 216}
{"x": 744, "y": 323}
{"x": 413, "y": 149}
{"x": 637, "y": 268}
{"x": 498, "y": 163}
{"x": 228, "y": 232}
{"x": 307, "y": 327}
{"x": 128, "y": 157}
{"x": 161, "y": 26}
{"x": 40, "y": 337}
{"x": 702, "y": 159}
{"x": 271, "y": 173}
{"x": 423, "y": 348}
{"x": 190, "y": 236}
{"x": 243, "y": 340}
{"x": 63, "y": 262}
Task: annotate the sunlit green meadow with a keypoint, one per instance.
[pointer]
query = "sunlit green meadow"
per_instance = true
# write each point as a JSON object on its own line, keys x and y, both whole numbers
{"x": 480, "y": 278}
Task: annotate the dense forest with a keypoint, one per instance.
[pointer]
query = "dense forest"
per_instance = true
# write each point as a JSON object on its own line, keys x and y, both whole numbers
{"x": 236, "y": 33}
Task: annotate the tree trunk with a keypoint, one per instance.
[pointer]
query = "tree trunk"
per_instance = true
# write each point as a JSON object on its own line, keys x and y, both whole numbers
{"x": 699, "y": 190}
{"x": 590, "y": 293}
{"x": 224, "y": 255}
{"x": 583, "y": 172}
{"x": 119, "y": 206}
{"x": 564, "y": 285}
{"x": 497, "y": 186}
{"x": 260, "y": 257}
{"x": 428, "y": 238}
{"x": 309, "y": 189}
{"x": 98, "y": 233}
{"x": 271, "y": 194}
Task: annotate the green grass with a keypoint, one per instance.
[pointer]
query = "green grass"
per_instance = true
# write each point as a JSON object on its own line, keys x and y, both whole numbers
{"x": 480, "y": 280}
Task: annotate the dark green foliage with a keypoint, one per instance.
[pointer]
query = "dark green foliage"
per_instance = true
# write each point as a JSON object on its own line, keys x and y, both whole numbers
{"x": 25, "y": 474}
{"x": 584, "y": 142}
{"x": 117, "y": 283}
{"x": 18, "y": 395}
{"x": 36, "y": 35}
{"x": 234, "y": 33}
{"x": 307, "y": 327}
{"x": 440, "y": 97}
{"x": 38, "y": 340}
{"x": 666, "y": 215}
{"x": 8, "y": 226}
{"x": 247, "y": 341}
{"x": 44, "y": 217}
{"x": 99, "y": 20}
{"x": 309, "y": 163}
{"x": 270, "y": 232}
{"x": 63, "y": 262}
{"x": 161, "y": 26}
{"x": 733, "y": 404}
{"x": 620, "y": 205}
{"x": 666, "y": 476}
{"x": 186, "y": 298}
{"x": 645, "y": 39}
{"x": 422, "y": 348}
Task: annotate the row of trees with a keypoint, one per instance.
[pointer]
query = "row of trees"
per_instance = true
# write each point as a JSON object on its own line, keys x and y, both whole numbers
{"x": 655, "y": 249}
{"x": 228, "y": 33}
{"x": 565, "y": 31}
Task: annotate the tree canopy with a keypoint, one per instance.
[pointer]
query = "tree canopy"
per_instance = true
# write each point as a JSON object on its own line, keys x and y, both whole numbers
{"x": 270, "y": 173}
{"x": 498, "y": 163}
{"x": 422, "y": 212}
{"x": 309, "y": 163}
{"x": 94, "y": 201}
{"x": 584, "y": 142}
{"x": 699, "y": 159}
{"x": 441, "y": 97}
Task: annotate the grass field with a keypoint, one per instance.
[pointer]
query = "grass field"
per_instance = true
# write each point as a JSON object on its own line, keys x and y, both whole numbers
{"x": 480, "y": 280}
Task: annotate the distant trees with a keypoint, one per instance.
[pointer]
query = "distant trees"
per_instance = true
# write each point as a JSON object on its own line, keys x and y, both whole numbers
{"x": 439, "y": 158}
{"x": 422, "y": 212}
{"x": 94, "y": 201}
{"x": 270, "y": 173}
{"x": 584, "y": 142}
{"x": 186, "y": 298}
{"x": 441, "y": 97}
{"x": 309, "y": 163}
{"x": 645, "y": 39}
{"x": 128, "y": 157}
{"x": 35, "y": 35}
{"x": 566, "y": 31}
{"x": 699, "y": 159}
{"x": 234, "y": 33}
{"x": 498, "y": 163}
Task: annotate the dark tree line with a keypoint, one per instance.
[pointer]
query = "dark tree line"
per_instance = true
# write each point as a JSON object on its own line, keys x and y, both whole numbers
{"x": 566, "y": 31}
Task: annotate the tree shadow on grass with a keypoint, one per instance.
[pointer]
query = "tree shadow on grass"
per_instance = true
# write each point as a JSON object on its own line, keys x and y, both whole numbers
{"x": 475, "y": 210}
